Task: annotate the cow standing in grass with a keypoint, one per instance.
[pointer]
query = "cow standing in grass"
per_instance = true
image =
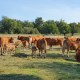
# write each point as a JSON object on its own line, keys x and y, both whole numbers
{"x": 69, "y": 45}
{"x": 10, "y": 48}
{"x": 28, "y": 40}
{"x": 78, "y": 53}
{"x": 3, "y": 42}
{"x": 41, "y": 45}
{"x": 34, "y": 49}
{"x": 54, "y": 42}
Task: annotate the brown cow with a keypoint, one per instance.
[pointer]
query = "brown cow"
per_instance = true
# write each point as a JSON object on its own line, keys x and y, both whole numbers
{"x": 54, "y": 41}
{"x": 78, "y": 40}
{"x": 26, "y": 40}
{"x": 5, "y": 41}
{"x": 71, "y": 38}
{"x": 78, "y": 53}
{"x": 41, "y": 45}
{"x": 69, "y": 45}
{"x": 29, "y": 39}
{"x": 33, "y": 39}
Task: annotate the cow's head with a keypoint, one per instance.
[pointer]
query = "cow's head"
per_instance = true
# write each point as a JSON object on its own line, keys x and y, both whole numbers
{"x": 11, "y": 40}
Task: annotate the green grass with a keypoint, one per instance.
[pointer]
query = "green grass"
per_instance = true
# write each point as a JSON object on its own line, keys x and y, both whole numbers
{"x": 21, "y": 66}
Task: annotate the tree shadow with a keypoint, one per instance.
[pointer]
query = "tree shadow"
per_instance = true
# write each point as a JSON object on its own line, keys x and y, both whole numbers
{"x": 56, "y": 48}
{"x": 64, "y": 70}
{"x": 18, "y": 77}
{"x": 70, "y": 59}
{"x": 54, "y": 56}
{"x": 20, "y": 55}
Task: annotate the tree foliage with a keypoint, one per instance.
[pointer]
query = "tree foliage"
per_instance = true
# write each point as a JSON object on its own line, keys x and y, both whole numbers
{"x": 50, "y": 27}
{"x": 73, "y": 28}
{"x": 63, "y": 27}
{"x": 13, "y": 26}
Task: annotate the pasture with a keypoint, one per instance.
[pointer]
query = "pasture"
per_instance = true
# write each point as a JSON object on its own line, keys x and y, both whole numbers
{"x": 21, "y": 66}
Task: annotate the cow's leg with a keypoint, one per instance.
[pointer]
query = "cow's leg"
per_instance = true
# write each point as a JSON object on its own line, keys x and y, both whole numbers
{"x": 35, "y": 54}
{"x": 14, "y": 51}
{"x": 60, "y": 46}
{"x": 50, "y": 47}
{"x": 68, "y": 52}
{"x": 39, "y": 53}
{"x": 45, "y": 53}
{"x": 32, "y": 53}
{"x": 63, "y": 51}
{"x": 5, "y": 50}
{"x": 10, "y": 51}
{"x": 1, "y": 51}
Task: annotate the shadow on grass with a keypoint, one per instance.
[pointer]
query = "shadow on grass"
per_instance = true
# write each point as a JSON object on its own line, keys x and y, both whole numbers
{"x": 70, "y": 59}
{"x": 53, "y": 55}
{"x": 20, "y": 55}
{"x": 64, "y": 70}
{"x": 18, "y": 77}
{"x": 56, "y": 48}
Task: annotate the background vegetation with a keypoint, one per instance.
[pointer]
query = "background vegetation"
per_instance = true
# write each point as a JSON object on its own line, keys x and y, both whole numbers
{"x": 13, "y": 26}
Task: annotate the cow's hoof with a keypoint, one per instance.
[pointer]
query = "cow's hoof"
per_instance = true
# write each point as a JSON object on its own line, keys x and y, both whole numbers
{"x": 62, "y": 55}
{"x": 1, "y": 54}
{"x": 68, "y": 56}
{"x": 44, "y": 57}
{"x": 39, "y": 55}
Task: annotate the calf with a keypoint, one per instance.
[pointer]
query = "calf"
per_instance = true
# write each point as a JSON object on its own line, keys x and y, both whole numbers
{"x": 10, "y": 48}
{"x": 34, "y": 49}
{"x": 3, "y": 42}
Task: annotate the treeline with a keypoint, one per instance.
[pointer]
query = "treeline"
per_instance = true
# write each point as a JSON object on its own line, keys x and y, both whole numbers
{"x": 13, "y": 26}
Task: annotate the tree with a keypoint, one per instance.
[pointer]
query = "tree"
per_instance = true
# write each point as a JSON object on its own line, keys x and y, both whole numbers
{"x": 73, "y": 28}
{"x": 30, "y": 30}
{"x": 8, "y": 25}
{"x": 50, "y": 27}
{"x": 19, "y": 28}
{"x": 0, "y": 27}
{"x": 63, "y": 27}
{"x": 78, "y": 28}
{"x": 39, "y": 23}
{"x": 28, "y": 24}
{"x": 11, "y": 25}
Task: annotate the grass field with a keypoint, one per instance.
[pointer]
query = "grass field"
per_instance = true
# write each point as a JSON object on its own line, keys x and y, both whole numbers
{"x": 21, "y": 66}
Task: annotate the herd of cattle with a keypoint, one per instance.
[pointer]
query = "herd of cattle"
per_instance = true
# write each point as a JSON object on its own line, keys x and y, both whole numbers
{"x": 8, "y": 45}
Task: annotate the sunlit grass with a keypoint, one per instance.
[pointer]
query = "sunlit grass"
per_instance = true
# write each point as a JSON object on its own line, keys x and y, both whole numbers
{"x": 21, "y": 66}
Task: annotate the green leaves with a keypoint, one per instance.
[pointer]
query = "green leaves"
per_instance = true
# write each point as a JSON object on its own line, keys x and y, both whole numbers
{"x": 13, "y": 26}
{"x": 50, "y": 27}
{"x": 63, "y": 27}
